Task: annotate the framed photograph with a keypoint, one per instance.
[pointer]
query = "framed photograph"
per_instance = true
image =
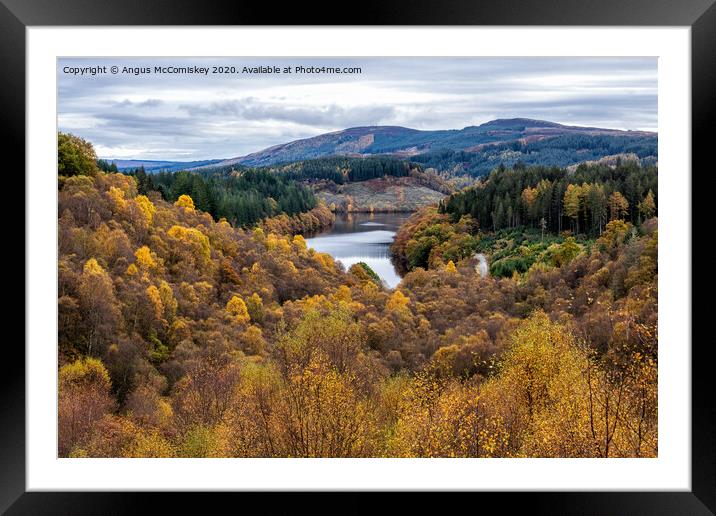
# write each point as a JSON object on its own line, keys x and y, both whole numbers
{"x": 430, "y": 250}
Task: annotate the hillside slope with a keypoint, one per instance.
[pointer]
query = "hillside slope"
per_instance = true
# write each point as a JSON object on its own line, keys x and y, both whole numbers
{"x": 399, "y": 194}
{"x": 184, "y": 337}
{"x": 405, "y": 142}
{"x": 160, "y": 166}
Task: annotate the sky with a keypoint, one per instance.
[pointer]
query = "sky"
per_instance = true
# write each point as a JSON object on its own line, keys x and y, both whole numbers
{"x": 184, "y": 116}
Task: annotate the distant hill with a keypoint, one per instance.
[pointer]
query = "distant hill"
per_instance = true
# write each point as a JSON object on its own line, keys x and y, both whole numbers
{"x": 474, "y": 150}
{"x": 160, "y": 166}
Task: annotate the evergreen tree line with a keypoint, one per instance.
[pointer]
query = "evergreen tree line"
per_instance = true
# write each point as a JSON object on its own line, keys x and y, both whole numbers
{"x": 558, "y": 151}
{"x": 241, "y": 197}
{"x": 556, "y": 200}
{"x": 106, "y": 166}
{"x": 342, "y": 170}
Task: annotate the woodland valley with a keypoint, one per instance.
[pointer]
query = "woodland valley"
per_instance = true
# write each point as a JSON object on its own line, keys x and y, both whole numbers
{"x": 195, "y": 320}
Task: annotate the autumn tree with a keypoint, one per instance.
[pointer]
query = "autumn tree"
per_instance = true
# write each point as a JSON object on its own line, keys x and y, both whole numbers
{"x": 573, "y": 203}
{"x": 450, "y": 267}
{"x": 398, "y": 302}
{"x": 117, "y": 436}
{"x": 647, "y": 207}
{"x": 186, "y": 202}
{"x": 323, "y": 414}
{"x": 147, "y": 208}
{"x": 446, "y": 418}
{"x": 618, "y": 206}
{"x": 596, "y": 201}
{"x": 144, "y": 258}
{"x": 237, "y": 308}
{"x": 204, "y": 395}
{"x": 84, "y": 398}
{"x": 614, "y": 234}
{"x": 622, "y": 408}
{"x": 255, "y": 308}
{"x": 98, "y": 306}
{"x": 334, "y": 336}
{"x": 542, "y": 372}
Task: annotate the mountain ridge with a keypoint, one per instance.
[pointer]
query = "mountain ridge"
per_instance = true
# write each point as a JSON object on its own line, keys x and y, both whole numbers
{"x": 361, "y": 141}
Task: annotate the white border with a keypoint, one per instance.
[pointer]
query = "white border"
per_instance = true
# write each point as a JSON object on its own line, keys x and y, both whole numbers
{"x": 670, "y": 471}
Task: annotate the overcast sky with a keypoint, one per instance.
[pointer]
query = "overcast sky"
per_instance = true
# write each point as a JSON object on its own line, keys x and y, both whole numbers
{"x": 190, "y": 117}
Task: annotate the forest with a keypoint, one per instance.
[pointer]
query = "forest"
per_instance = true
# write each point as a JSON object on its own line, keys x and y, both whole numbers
{"x": 528, "y": 217}
{"x": 342, "y": 170}
{"x": 181, "y": 335}
{"x": 582, "y": 201}
{"x": 242, "y": 197}
{"x": 557, "y": 151}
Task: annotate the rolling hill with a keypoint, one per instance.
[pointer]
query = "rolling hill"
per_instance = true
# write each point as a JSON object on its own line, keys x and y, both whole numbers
{"x": 160, "y": 166}
{"x": 485, "y": 146}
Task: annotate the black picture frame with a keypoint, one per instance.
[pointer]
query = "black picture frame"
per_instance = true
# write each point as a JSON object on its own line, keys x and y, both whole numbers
{"x": 17, "y": 15}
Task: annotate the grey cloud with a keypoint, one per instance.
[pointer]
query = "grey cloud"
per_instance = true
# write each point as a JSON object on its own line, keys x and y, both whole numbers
{"x": 198, "y": 117}
{"x": 145, "y": 104}
{"x": 139, "y": 124}
{"x": 331, "y": 116}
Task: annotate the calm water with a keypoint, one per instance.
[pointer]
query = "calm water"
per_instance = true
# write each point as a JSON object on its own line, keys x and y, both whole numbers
{"x": 362, "y": 237}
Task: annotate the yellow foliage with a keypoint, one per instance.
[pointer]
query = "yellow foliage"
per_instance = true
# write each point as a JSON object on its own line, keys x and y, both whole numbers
{"x": 299, "y": 242}
{"x": 156, "y": 300}
{"x": 370, "y": 288}
{"x": 150, "y": 445}
{"x": 398, "y": 302}
{"x": 179, "y": 331}
{"x": 314, "y": 302}
{"x": 278, "y": 242}
{"x": 144, "y": 258}
{"x": 117, "y": 436}
{"x": 450, "y": 267}
{"x": 536, "y": 356}
{"x": 170, "y": 304}
{"x": 83, "y": 398}
{"x": 443, "y": 360}
{"x": 195, "y": 238}
{"x": 202, "y": 441}
{"x": 116, "y": 196}
{"x": 343, "y": 293}
{"x": 184, "y": 201}
{"x": 84, "y": 371}
{"x": 126, "y": 184}
{"x": 91, "y": 267}
{"x": 237, "y": 308}
{"x": 319, "y": 363}
{"x": 439, "y": 419}
{"x": 146, "y": 207}
{"x": 325, "y": 260}
{"x": 614, "y": 234}
{"x": 618, "y": 206}
{"x": 529, "y": 196}
{"x": 258, "y": 235}
{"x": 320, "y": 398}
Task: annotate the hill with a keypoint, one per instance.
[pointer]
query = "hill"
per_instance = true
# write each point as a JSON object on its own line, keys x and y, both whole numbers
{"x": 159, "y": 166}
{"x": 474, "y": 149}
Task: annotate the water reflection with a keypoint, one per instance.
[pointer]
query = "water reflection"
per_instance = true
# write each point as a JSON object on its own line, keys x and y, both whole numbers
{"x": 362, "y": 237}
